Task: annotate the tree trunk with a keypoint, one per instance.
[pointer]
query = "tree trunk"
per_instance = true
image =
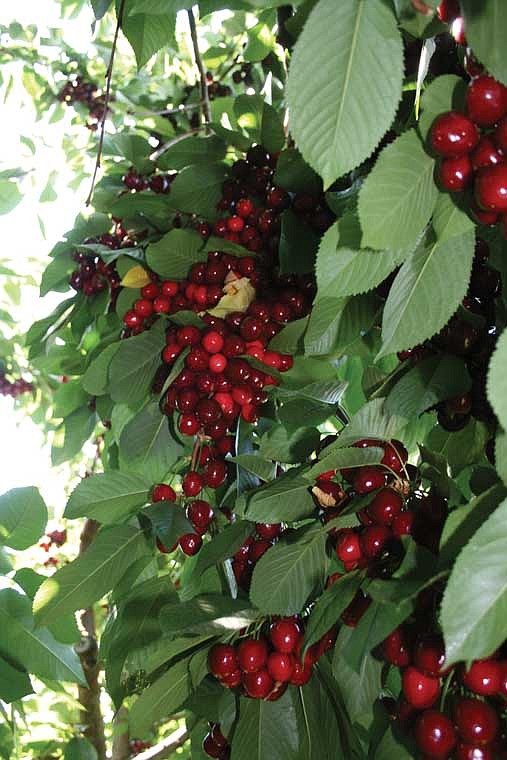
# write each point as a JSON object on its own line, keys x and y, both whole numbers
{"x": 121, "y": 738}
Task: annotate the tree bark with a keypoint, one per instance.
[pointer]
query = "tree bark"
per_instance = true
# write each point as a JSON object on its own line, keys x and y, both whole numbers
{"x": 87, "y": 649}
{"x": 121, "y": 737}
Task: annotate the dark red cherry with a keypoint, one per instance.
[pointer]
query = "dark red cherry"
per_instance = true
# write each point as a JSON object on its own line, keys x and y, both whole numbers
{"x": 456, "y": 173}
{"x": 491, "y": 188}
{"x": 486, "y": 101}
{"x": 285, "y": 635}
{"x": 258, "y": 684}
{"x": 485, "y": 154}
{"x": 222, "y": 660}
{"x": 214, "y": 473}
{"x": 420, "y": 691}
{"x": 476, "y": 721}
{"x": 396, "y": 649}
{"x": 434, "y": 734}
{"x": 192, "y": 484}
{"x": 190, "y": 543}
{"x": 162, "y": 492}
{"x": 252, "y": 655}
{"x": 453, "y": 135}
{"x": 386, "y": 505}
{"x": 200, "y": 514}
{"x": 368, "y": 479}
{"x": 484, "y": 677}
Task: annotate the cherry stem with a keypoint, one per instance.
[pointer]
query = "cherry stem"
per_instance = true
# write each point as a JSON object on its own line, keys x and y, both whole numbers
{"x": 203, "y": 82}
{"x": 109, "y": 76}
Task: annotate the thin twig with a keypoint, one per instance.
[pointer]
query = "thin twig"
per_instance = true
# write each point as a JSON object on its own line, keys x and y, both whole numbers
{"x": 228, "y": 69}
{"x": 109, "y": 74}
{"x": 203, "y": 82}
{"x": 166, "y": 747}
{"x": 157, "y": 153}
{"x": 169, "y": 111}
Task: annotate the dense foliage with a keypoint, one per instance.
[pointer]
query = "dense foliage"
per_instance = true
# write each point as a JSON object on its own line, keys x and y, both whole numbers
{"x": 282, "y": 323}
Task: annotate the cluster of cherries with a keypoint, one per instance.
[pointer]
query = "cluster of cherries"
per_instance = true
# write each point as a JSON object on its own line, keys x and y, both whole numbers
{"x": 473, "y": 146}
{"x": 198, "y": 512}
{"x": 469, "y": 728}
{"x": 243, "y": 74}
{"x": 215, "y": 744}
{"x": 158, "y": 183}
{"x": 216, "y": 88}
{"x": 79, "y": 90}
{"x": 264, "y": 667}
{"x": 56, "y": 538}
{"x": 137, "y": 746}
{"x": 15, "y": 387}
{"x": 252, "y": 549}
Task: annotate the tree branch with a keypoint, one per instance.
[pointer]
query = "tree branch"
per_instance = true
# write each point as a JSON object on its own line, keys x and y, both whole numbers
{"x": 166, "y": 747}
{"x": 203, "y": 82}
{"x": 107, "y": 96}
{"x": 121, "y": 738}
{"x": 169, "y": 111}
{"x": 157, "y": 153}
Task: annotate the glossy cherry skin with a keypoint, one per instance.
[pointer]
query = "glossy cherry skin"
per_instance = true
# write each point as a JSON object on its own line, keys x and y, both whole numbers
{"x": 252, "y": 655}
{"x": 420, "y": 691}
{"x": 301, "y": 674}
{"x": 456, "y": 173}
{"x": 484, "y": 677}
{"x": 258, "y": 684}
{"x": 268, "y": 530}
{"x": 485, "y": 154}
{"x": 435, "y": 734}
{"x": 476, "y": 721}
{"x": 348, "y": 546}
{"x": 474, "y": 752}
{"x": 190, "y": 543}
{"x": 386, "y": 505}
{"x": 491, "y": 188}
{"x": 500, "y": 135}
{"x": 373, "y": 539}
{"x": 395, "y": 456}
{"x": 396, "y": 649}
{"x": 285, "y": 635}
{"x": 211, "y": 748}
{"x": 486, "y": 101}
{"x": 280, "y": 666}
{"x": 453, "y": 135}
{"x": 368, "y": 479}
{"x": 448, "y": 10}
{"x": 200, "y": 514}
{"x": 429, "y": 655}
{"x": 222, "y": 660}
{"x": 214, "y": 473}
{"x": 192, "y": 484}
{"x": 162, "y": 492}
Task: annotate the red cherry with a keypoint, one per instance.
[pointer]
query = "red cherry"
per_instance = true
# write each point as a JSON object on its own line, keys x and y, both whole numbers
{"x": 374, "y": 539}
{"x": 420, "y": 691}
{"x": 258, "y": 549}
{"x": 162, "y": 305}
{"x": 212, "y": 342}
{"x": 222, "y": 660}
{"x": 171, "y": 353}
{"x": 198, "y": 359}
{"x": 244, "y": 207}
{"x": 249, "y": 413}
{"x": 286, "y": 363}
{"x": 484, "y": 677}
{"x": 192, "y": 484}
{"x": 435, "y": 734}
{"x": 386, "y": 505}
{"x": 132, "y": 319}
{"x": 485, "y": 154}
{"x": 473, "y": 752}
{"x": 216, "y": 430}
{"x": 190, "y": 543}
{"x": 218, "y": 736}
{"x": 258, "y": 684}
{"x": 188, "y": 336}
{"x": 500, "y": 135}
{"x": 161, "y": 492}
{"x": 348, "y": 547}
{"x": 429, "y": 655}
{"x": 187, "y": 400}
{"x": 285, "y": 635}
{"x": 268, "y": 530}
{"x": 280, "y": 666}
{"x": 486, "y": 100}
{"x": 252, "y": 655}
{"x": 448, "y": 10}
{"x": 242, "y": 394}
{"x": 208, "y": 411}
{"x": 251, "y": 329}
{"x": 491, "y": 188}
{"x": 211, "y": 748}
{"x": 150, "y": 291}
{"x": 368, "y": 479}
{"x": 143, "y": 307}
{"x": 214, "y": 473}
{"x": 395, "y": 648}
{"x": 395, "y": 456}
{"x": 169, "y": 288}
{"x": 232, "y": 680}
{"x": 217, "y": 363}
{"x": 235, "y": 223}
{"x": 403, "y": 524}
{"x": 188, "y": 424}
{"x": 301, "y": 674}
{"x": 200, "y": 514}
{"x": 476, "y": 721}
{"x": 453, "y": 135}
{"x": 455, "y": 173}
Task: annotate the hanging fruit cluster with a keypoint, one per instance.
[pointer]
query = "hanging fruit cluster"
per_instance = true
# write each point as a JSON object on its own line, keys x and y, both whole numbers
{"x": 157, "y": 182}
{"x": 14, "y": 388}
{"x": 78, "y": 90}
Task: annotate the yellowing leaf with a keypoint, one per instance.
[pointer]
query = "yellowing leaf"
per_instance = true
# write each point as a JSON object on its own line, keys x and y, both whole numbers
{"x": 136, "y": 277}
{"x": 239, "y": 294}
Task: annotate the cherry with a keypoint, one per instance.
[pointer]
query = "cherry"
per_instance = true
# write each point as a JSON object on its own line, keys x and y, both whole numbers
{"x": 192, "y": 484}
{"x": 268, "y": 530}
{"x": 143, "y": 307}
{"x": 258, "y": 549}
{"x": 484, "y": 677}
{"x": 386, "y": 505}
{"x": 131, "y": 318}
{"x": 258, "y": 684}
{"x": 374, "y": 539}
{"x": 198, "y": 359}
{"x": 226, "y": 445}
{"x": 232, "y": 680}
{"x": 222, "y": 660}
{"x": 150, "y": 291}
{"x": 188, "y": 336}
{"x": 491, "y": 188}
{"x": 301, "y": 674}
{"x": 212, "y": 342}
{"x": 280, "y": 666}
{"x": 435, "y": 734}
{"x": 448, "y": 10}
{"x": 206, "y": 383}
{"x": 252, "y": 655}
{"x": 476, "y": 721}
{"x": 208, "y": 411}
{"x": 429, "y": 655}
{"x": 420, "y": 691}
{"x": 368, "y": 479}
{"x": 485, "y": 154}
{"x": 242, "y": 394}
{"x": 217, "y": 363}
{"x": 244, "y": 207}
{"x": 187, "y": 400}
{"x": 251, "y": 329}
{"x": 486, "y": 100}
{"x": 348, "y": 546}
{"x": 162, "y": 305}
{"x": 169, "y": 288}
{"x": 285, "y": 635}
{"x": 456, "y": 173}
{"x": 500, "y": 135}
{"x": 233, "y": 346}
{"x": 395, "y": 456}
{"x": 453, "y": 135}
{"x": 395, "y": 649}
{"x": 214, "y": 473}
{"x": 473, "y": 752}
{"x": 211, "y": 748}
{"x": 162, "y": 492}
{"x": 190, "y": 543}
{"x": 200, "y": 514}
{"x": 216, "y": 430}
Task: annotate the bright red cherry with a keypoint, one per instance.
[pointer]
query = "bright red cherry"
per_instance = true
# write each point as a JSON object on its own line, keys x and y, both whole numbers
{"x": 456, "y": 173}
{"x": 453, "y": 135}
{"x": 386, "y": 505}
{"x": 252, "y": 655}
{"x": 222, "y": 660}
{"x": 217, "y": 363}
{"x": 214, "y": 473}
{"x": 429, "y": 655}
{"x": 348, "y": 546}
{"x": 244, "y": 207}
{"x": 161, "y": 492}
{"x": 484, "y": 677}
{"x": 396, "y": 649}
{"x": 150, "y": 291}
{"x": 258, "y": 684}
{"x": 448, "y": 10}
{"x": 476, "y": 721}
{"x": 213, "y": 342}
{"x": 301, "y": 674}
{"x": 434, "y": 734}
{"x": 491, "y": 188}
{"x": 188, "y": 424}
{"x": 200, "y": 514}
{"x": 143, "y": 307}
{"x": 485, "y": 154}
{"x": 473, "y": 752}
{"x": 285, "y": 635}
{"x": 368, "y": 479}
{"x": 486, "y": 100}
{"x": 162, "y": 305}
{"x": 280, "y": 666}
{"x": 190, "y": 543}
{"x": 420, "y": 691}
{"x": 192, "y": 484}
{"x": 374, "y": 539}
{"x": 169, "y": 288}
{"x": 188, "y": 336}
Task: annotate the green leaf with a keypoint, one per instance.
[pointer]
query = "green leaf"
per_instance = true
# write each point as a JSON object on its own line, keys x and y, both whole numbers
{"x": 286, "y": 574}
{"x": 371, "y": 421}
{"x": 330, "y": 606}
{"x": 358, "y": 690}
{"x": 9, "y": 196}
{"x": 298, "y": 245}
{"x": 79, "y": 748}
{"x": 292, "y": 447}
{"x": 169, "y": 522}
{"x": 206, "y": 613}
{"x": 264, "y": 469}
{"x": 23, "y": 517}
{"x": 428, "y": 382}
{"x": 261, "y": 41}
{"x": 266, "y": 730}
{"x": 497, "y": 380}
{"x": 462, "y": 448}
{"x": 91, "y": 575}
{"x": 501, "y": 455}
{"x": 172, "y": 256}
{"x": 286, "y": 498}
{"x": 146, "y": 443}
{"x": 78, "y": 427}
{"x": 147, "y": 34}
{"x": 474, "y": 606}
{"x": 445, "y": 93}
{"x": 345, "y": 457}
{"x": 162, "y": 698}
{"x": 336, "y": 324}
{"x": 14, "y": 683}
{"x": 272, "y": 131}
{"x": 222, "y": 546}
{"x": 290, "y": 339}
{"x": 426, "y": 292}
{"x": 191, "y": 151}
{"x": 294, "y": 174}
{"x": 197, "y": 189}
{"x": 108, "y": 497}
{"x": 133, "y": 366}
{"x": 486, "y": 27}
{"x": 100, "y": 7}
{"x": 94, "y": 380}
{"x": 34, "y": 648}
{"x": 398, "y": 196}
{"x": 346, "y": 65}
{"x": 390, "y": 746}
